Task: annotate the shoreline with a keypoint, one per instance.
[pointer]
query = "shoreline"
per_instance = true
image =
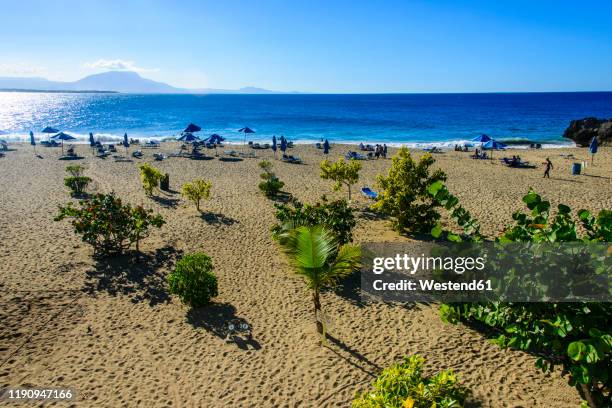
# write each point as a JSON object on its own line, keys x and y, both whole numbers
{"x": 445, "y": 145}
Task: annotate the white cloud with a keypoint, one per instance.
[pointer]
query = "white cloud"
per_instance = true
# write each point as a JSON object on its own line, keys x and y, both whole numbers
{"x": 21, "y": 69}
{"x": 117, "y": 65}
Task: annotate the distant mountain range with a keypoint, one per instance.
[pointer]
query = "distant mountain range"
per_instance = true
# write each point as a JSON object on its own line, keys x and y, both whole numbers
{"x": 114, "y": 81}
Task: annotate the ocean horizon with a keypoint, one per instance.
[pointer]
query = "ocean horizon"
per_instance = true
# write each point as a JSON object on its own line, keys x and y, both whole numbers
{"x": 396, "y": 119}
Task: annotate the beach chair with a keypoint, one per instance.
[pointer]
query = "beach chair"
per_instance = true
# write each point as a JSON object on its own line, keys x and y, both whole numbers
{"x": 137, "y": 154}
{"x": 231, "y": 153}
{"x": 151, "y": 144}
{"x": 369, "y": 193}
{"x": 291, "y": 159}
{"x": 319, "y": 145}
{"x": 159, "y": 156}
{"x": 112, "y": 148}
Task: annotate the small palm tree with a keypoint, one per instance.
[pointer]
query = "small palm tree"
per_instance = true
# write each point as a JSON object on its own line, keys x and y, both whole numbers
{"x": 315, "y": 255}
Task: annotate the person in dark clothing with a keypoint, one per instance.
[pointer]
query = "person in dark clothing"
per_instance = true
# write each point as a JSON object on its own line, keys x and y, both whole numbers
{"x": 549, "y": 167}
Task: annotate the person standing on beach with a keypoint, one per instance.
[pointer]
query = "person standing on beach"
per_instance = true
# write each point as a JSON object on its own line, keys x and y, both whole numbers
{"x": 549, "y": 167}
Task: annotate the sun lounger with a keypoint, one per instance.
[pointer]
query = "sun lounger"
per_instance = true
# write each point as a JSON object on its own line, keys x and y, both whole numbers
{"x": 291, "y": 159}
{"x": 355, "y": 156}
{"x": 159, "y": 156}
{"x": 369, "y": 193}
{"x": 50, "y": 143}
{"x": 249, "y": 155}
{"x": 137, "y": 154}
{"x": 151, "y": 145}
{"x": 231, "y": 153}
{"x": 433, "y": 149}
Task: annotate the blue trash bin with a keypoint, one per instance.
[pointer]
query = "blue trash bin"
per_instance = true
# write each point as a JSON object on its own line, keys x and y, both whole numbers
{"x": 576, "y": 167}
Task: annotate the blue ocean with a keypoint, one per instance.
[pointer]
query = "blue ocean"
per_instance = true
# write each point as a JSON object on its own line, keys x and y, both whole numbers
{"x": 411, "y": 119}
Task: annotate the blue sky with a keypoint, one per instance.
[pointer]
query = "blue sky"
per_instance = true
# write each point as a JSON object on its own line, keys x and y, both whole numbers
{"x": 317, "y": 46}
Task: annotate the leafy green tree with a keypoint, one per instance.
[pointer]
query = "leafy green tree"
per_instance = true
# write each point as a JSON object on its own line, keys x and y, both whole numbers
{"x": 403, "y": 385}
{"x": 335, "y": 216}
{"x": 405, "y": 196}
{"x": 150, "y": 177}
{"x": 108, "y": 225}
{"x": 271, "y": 185}
{"x": 315, "y": 256}
{"x": 193, "y": 280}
{"x": 342, "y": 172}
{"x": 197, "y": 190}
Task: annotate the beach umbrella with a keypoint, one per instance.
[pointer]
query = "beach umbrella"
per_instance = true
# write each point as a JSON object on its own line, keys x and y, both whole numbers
{"x": 493, "y": 145}
{"x": 63, "y": 136}
{"x": 187, "y": 137}
{"x": 482, "y": 138}
{"x": 283, "y": 145}
{"x": 49, "y": 129}
{"x": 593, "y": 148}
{"x": 32, "y": 141}
{"x": 126, "y": 144}
{"x": 325, "y": 147}
{"x": 246, "y": 130}
{"x": 192, "y": 128}
{"x": 215, "y": 139}
{"x": 274, "y": 147}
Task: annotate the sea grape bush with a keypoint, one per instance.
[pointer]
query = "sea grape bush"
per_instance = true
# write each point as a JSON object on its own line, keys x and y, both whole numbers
{"x": 193, "y": 280}
{"x": 463, "y": 218}
{"x": 575, "y": 336}
{"x": 271, "y": 185}
{"x": 403, "y": 385}
{"x": 404, "y": 193}
{"x": 108, "y": 225}
{"x": 150, "y": 178}
{"x": 76, "y": 182}
{"x": 336, "y": 216}
{"x": 341, "y": 172}
{"x": 197, "y": 190}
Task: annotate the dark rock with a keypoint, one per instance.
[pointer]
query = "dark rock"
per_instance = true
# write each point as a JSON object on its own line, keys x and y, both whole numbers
{"x": 582, "y": 131}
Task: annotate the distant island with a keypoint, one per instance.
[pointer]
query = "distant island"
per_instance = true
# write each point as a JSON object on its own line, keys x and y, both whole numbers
{"x": 54, "y": 91}
{"x": 113, "y": 82}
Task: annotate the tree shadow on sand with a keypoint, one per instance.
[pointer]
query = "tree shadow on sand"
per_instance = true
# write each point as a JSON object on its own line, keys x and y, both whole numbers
{"x": 217, "y": 218}
{"x": 220, "y": 319}
{"x": 353, "y": 357}
{"x": 138, "y": 276}
{"x": 166, "y": 201}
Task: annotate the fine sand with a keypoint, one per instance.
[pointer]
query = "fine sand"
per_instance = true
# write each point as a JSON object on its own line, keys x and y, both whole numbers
{"x": 109, "y": 329}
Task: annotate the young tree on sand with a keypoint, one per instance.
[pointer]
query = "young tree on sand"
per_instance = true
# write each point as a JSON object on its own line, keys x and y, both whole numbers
{"x": 197, "y": 190}
{"x": 316, "y": 257}
{"x": 341, "y": 172}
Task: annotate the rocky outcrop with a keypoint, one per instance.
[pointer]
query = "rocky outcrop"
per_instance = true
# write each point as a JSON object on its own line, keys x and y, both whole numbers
{"x": 582, "y": 131}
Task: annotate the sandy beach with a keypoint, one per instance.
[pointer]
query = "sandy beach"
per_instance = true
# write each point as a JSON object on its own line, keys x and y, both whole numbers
{"x": 110, "y": 330}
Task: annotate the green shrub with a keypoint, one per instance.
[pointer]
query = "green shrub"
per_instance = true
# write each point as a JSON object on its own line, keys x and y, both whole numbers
{"x": 150, "y": 177}
{"x": 271, "y": 185}
{"x": 576, "y": 336}
{"x": 77, "y": 183}
{"x": 403, "y": 385}
{"x": 193, "y": 280}
{"x": 75, "y": 170}
{"x": 197, "y": 190}
{"x": 109, "y": 225}
{"x": 405, "y": 196}
{"x": 336, "y": 216}
{"x": 341, "y": 172}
